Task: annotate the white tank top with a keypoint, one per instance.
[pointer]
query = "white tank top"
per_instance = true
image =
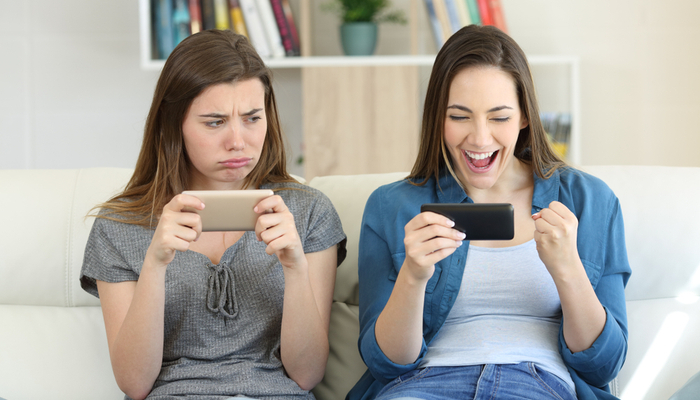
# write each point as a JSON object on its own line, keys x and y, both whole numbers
{"x": 507, "y": 311}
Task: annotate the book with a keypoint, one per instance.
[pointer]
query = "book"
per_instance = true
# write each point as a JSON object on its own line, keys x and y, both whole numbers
{"x": 195, "y": 16}
{"x": 435, "y": 24}
{"x": 221, "y": 16}
{"x": 288, "y": 14}
{"x": 463, "y": 11}
{"x": 474, "y": 11}
{"x": 441, "y": 12}
{"x": 484, "y": 12}
{"x": 272, "y": 32}
{"x": 254, "y": 25}
{"x": 453, "y": 15}
{"x": 163, "y": 18}
{"x": 237, "y": 21}
{"x": 181, "y": 21}
{"x": 208, "y": 16}
{"x": 283, "y": 27}
{"x": 496, "y": 11}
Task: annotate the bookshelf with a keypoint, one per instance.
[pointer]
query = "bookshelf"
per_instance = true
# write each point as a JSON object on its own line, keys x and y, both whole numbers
{"x": 374, "y": 125}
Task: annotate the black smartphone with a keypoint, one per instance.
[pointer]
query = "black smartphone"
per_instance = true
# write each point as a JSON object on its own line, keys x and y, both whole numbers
{"x": 483, "y": 221}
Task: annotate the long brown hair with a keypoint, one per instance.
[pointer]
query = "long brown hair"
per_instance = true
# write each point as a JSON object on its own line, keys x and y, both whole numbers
{"x": 478, "y": 46}
{"x": 162, "y": 171}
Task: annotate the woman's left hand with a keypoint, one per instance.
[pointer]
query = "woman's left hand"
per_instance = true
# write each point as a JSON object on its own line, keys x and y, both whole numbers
{"x": 555, "y": 235}
{"x": 277, "y": 229}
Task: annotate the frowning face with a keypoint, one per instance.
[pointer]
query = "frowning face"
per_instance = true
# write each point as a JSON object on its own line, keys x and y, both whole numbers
{"x": 224, "y": 132}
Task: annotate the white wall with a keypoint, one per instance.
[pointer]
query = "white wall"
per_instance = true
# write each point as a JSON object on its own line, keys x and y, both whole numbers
{"x": 72, "y": 93}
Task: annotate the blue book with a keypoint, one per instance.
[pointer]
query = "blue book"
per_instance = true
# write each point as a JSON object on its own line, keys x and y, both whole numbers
{"x": 453, "y": 13}
{"x": 181, "y": 21}
{"x": 164, "y": 27}
{"x": 435, "y": 24}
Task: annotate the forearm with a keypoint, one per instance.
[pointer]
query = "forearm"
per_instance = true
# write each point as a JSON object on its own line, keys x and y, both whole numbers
{"x": 399, "y": 327}
{"x": 583, "y": 315}
{"x": 304, "y": 335}
{"x": 137, "y": 349}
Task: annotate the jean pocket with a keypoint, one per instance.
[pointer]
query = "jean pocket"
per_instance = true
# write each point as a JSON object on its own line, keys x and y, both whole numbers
{"x": 552, "y": 383}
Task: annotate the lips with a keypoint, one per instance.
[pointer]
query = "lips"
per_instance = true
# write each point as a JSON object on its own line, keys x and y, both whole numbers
{"x": 236, "y": 162}
{"x": 480, "y": 162}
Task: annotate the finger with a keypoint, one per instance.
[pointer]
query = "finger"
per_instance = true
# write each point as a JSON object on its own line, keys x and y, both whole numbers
{"x": 543, "y": 226}
{"x": 422, "y": 250}
{"x": 551, "y": 217}
{"x": 562, "y": 210}
{"x": 274, "y": 203}
{"x": 431, "y": 231}
{"x": 437, "y": 255}
{"x": 428, "y": 218}
{"x": 182, "y": 201}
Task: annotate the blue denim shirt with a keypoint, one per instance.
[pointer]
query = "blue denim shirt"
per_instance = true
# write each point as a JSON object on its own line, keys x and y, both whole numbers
{"x": 601, "y": 247}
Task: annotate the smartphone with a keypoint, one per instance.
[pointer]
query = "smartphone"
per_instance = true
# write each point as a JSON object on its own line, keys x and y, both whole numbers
{"x": 228, "y": 210}
{"x": 483, "y": 221}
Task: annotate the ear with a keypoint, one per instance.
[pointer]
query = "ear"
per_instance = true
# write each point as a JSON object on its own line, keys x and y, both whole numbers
{"x": 523, "y": 123}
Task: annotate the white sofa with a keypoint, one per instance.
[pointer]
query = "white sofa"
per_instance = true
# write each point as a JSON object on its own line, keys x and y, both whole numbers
{"x": 52, "y": 338}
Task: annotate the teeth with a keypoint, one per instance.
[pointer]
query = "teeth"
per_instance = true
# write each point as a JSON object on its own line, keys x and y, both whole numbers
{"x": 479, "y": 156}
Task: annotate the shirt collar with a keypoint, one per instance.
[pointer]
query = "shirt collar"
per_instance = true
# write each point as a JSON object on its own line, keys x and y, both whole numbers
{"x": 546, "y": 190}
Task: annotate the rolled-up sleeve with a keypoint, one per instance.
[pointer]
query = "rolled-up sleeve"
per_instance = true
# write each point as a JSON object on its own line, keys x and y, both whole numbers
{"x": 600, "y": 364}
{"x": 377, "y": 277}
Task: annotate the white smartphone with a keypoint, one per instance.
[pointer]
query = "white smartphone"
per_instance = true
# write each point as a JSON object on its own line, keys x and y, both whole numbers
{"x": 228, "y": 210}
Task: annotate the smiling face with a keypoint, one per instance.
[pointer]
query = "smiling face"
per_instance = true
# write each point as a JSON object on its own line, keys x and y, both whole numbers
{"x": 224, "y": 132}
{"x": 482, "y": 123}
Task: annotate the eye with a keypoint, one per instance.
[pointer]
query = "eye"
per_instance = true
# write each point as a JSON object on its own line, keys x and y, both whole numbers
{"x": 502, "y": 119}
{"x": 254, "y": 118}
{"x": 458, "y": 117}
{"x": 215, "y": 123}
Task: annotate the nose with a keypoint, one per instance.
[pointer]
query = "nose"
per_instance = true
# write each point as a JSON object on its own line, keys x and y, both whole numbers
{"x": 234, "y": 137}
{"x": 480, "y": 135}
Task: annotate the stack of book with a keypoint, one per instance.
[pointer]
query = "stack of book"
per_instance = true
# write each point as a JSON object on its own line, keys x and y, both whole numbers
{"x": 449, "y": 16}
{"x": 268, "y": 24}
{"x": 558, "y": 128}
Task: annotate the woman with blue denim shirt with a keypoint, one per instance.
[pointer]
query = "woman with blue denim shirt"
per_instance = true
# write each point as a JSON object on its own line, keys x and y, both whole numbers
{"x": 539, "y": 316}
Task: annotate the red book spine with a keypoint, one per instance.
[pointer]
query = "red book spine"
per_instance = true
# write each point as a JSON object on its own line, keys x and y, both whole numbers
{"x": 485, "y": 12}
{"x": 496, "y": 11}
{"x": 292, "y": 26}
{"x": 195, "y": 16}
{"x": 285, "y": 33}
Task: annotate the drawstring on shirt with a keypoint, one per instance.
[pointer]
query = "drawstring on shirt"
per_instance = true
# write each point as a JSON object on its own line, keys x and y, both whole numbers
{"x": 221, "y": 293}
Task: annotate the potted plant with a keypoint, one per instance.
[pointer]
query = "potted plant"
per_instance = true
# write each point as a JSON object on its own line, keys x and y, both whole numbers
{"x": 358, "y": 32}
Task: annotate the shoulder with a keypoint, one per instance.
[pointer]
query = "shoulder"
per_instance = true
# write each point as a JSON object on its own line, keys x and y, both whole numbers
{"x": 302, "y": 200}
{"x": 576, "y": 179}
{"x": 581, "y": 191}
{"x": 404, "y": 191}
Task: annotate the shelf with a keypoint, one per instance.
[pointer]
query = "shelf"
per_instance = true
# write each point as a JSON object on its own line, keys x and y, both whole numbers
{"x": 324, "y": 61}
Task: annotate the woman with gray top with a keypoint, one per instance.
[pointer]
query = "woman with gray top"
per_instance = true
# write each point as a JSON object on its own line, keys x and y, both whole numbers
{"x": 213, "y": 315}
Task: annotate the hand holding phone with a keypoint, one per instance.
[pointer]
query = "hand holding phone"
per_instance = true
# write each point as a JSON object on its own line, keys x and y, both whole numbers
{"x": 482, "y": 221}
{"x": 228, "y": 210}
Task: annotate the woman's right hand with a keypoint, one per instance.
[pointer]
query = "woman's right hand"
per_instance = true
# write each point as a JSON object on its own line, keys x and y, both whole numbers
{"x": 429, "y": 238}
{"x": 176, "y": 229}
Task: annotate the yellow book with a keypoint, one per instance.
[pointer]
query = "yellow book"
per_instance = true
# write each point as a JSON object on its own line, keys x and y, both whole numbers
{"x": 221, "y": 14}
{"x": 237, "y": 18}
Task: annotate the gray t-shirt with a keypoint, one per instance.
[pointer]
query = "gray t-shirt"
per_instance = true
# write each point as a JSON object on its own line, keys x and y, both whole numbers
{"x": 222, "y": 322}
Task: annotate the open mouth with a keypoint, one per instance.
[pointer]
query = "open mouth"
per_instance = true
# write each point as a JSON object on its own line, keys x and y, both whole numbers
{"x": 480, "y": 161}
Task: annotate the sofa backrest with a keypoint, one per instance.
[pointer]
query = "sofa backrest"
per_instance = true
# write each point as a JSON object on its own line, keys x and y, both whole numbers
{"x": 661, "y": 209}
{"x": 52, "y": 332}
{"x": 52, "y": 337}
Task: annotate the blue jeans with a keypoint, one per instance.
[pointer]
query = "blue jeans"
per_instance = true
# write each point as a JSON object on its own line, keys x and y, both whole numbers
{"x": 689, "y": 391}
{"x": 492, "y": 382}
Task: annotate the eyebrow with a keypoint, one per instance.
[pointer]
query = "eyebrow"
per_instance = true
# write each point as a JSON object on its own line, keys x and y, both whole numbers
{"x": 466, "y": 109}
{"x": 219, "y": 115}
